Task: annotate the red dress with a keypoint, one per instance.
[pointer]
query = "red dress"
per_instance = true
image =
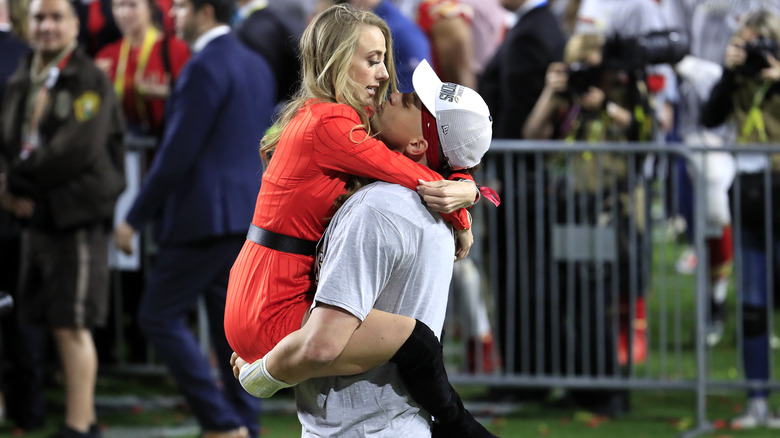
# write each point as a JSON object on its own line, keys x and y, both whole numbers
{"x": 151, "y": 115}
{"x": 269, "y": 291}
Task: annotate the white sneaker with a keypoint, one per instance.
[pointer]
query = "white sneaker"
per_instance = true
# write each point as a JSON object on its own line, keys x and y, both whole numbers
{"x": 774, "y": 422}
{"x": 714, "y": 333}
{"x": 687, "y": 262}
{"x": 756, "y": 414}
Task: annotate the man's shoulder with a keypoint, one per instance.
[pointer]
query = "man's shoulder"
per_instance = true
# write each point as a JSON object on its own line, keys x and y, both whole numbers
{"x": 392, "y": 201}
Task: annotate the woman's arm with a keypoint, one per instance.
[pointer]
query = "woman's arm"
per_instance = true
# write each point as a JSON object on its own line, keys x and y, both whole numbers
{"x": 343, "y": 148}
{"x": 539, "y": 124}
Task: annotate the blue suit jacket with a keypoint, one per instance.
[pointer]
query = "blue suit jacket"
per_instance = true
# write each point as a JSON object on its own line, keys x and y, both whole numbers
{"x": 410, "y": 44}
{"x": 205, "y": 177}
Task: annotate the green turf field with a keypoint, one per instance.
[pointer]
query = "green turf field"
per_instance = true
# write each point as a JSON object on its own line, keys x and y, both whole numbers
{"x": 133, "y": 406}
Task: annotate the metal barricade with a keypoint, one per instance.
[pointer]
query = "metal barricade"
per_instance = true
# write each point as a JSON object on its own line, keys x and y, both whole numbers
{"x": 581, "y": 238}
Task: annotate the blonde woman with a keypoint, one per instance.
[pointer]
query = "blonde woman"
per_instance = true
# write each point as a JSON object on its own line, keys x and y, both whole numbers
{"x": 749, "y": 92}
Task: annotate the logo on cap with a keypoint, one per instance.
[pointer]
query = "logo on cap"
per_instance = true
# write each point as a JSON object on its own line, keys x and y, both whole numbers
{"x": 450, "y": 92}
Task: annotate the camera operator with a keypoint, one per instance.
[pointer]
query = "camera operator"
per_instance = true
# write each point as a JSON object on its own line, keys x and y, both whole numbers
{"x": 749, "y": 92}
{"x": 584, "y": 101}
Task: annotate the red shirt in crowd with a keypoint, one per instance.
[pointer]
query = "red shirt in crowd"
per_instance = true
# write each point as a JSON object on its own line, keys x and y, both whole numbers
{"x": 146, "y": 112}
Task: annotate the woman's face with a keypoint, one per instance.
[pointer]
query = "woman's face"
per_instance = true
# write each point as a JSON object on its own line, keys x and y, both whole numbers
{"x": 131, "y": 15}
{"x": 367, "y": 69}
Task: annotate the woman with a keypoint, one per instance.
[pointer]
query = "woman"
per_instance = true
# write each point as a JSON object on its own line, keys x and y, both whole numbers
{"x": 324, "y": 137}
{"x": 142, "y": 65}
{"x": 585, "y": 101}
{"x": 749, "y": 92}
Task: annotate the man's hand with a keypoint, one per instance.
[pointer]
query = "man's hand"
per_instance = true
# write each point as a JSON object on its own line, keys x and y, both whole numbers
{"x": 463, "y": 241}
{"x": 123, "y": 237}
{"x": 447, "y": 196}
{"x": 237, "y": 363}
{"x": 16, "y": 205}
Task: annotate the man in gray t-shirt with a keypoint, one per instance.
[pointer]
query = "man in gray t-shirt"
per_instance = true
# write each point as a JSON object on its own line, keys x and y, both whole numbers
{"x": 383, "y": 249}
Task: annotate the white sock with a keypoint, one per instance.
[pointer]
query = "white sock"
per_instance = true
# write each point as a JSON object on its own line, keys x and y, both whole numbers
{"x": 257, "y": 381}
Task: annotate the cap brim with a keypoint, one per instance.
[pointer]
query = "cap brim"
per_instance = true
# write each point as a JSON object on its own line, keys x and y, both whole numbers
{"x": 427, "y": 85}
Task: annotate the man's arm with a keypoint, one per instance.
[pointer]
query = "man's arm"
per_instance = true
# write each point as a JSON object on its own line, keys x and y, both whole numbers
{"x": 316, "y": 345}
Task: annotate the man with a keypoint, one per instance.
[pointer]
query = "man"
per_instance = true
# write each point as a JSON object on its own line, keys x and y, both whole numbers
{"x": 62, "y": 151}
{"x": 274, "y": 34}
{"x": 401, "y": 248}
{"x": 20, "y": 346}
{"x": 529, "y": 47}
{"x": 201, "y": 189}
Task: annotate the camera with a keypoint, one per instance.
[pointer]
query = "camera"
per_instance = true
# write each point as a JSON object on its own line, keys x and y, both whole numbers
{"x": 757, "y": 51}
{"x": 660, "y": 47}
{"x": 582, "y": 76}
{"x": 620, "y": 54}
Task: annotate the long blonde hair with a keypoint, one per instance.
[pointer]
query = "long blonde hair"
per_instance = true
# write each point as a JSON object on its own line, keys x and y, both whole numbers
{"x": 327, "y": 46}
{"x": 763, "y": 23}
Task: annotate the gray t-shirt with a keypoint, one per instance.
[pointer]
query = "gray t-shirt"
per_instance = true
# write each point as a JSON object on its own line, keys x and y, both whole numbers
{"x": 383, "y": 249}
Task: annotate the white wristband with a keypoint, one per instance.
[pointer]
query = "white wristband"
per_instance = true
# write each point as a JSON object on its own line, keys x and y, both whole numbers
{"x": 257, "y": 381}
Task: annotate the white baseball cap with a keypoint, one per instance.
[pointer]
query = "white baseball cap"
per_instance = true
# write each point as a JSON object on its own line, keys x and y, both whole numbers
{"x": 454, "y": 105}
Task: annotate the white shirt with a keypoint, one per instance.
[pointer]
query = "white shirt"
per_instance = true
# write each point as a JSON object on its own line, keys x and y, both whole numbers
{"x": 208, "y": 36}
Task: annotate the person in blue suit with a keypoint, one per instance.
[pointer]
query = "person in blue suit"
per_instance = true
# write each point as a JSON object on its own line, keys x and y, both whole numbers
{"x": 200, "y": 191}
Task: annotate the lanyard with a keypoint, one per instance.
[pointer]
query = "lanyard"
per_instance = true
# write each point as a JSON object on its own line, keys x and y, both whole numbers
{"x": 31, "y": 141}
{"x": 755, "y": 120}
{"x": 121, "y": 68}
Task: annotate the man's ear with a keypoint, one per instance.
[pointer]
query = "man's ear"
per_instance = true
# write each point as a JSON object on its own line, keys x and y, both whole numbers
{"x": 416, "y": 148}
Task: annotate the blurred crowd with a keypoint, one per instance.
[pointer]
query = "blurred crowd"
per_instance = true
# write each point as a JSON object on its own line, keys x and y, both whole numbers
{"x": 696, "y": 72}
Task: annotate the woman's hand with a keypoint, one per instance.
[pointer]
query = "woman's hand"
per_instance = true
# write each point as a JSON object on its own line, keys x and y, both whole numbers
{"x": 447, "y": 196}
{"x": 735, "y": 53}
{"x": 153, "y": 87}
{"x": 593, "y": 100}
{"x": 463, "y": 241}
{"x": 771, "y": 73}
{"x": 557, "y": 79}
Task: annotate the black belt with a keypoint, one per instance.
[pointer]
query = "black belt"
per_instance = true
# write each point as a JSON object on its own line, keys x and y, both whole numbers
{"x": 280, "y": 242}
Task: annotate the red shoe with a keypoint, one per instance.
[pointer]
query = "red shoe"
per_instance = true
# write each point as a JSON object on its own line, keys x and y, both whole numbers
{"x": 490, "y": 358}
{"x": 639, "y": 345}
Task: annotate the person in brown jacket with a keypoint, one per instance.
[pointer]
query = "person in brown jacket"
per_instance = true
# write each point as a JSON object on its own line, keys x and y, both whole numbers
{"x": 62, "y": 157}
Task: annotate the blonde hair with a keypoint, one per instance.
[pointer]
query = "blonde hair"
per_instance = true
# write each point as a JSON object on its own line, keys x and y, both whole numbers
{"x": 581, "y": 45}
{"x": 327, "y": 46}
{"x": 764, "y": 23}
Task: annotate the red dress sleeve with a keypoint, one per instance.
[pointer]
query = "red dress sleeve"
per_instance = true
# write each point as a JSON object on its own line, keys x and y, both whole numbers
{"x": 344, "y": 148}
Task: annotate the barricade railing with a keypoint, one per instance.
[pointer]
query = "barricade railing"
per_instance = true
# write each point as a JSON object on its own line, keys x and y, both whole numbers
{"x": 583, "y": 231}
{"x": 583, "y": 248}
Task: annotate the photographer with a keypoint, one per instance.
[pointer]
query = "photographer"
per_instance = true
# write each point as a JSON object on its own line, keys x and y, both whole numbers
{"x": 586, "y": 99}
{"x": 749, "y": 92}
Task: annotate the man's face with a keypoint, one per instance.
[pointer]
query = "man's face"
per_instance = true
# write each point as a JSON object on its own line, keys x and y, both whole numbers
{"x": 399, "y": 120}
{"x": 185, "y": 20}
{"x": 52, "y": 26}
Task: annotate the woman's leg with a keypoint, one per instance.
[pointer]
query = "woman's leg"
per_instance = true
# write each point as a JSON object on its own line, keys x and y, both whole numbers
{"x": 755, "y": 351}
